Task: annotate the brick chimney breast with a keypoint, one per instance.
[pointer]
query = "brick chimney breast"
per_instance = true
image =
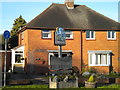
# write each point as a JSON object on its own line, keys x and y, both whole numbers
{"x": 69, "y": 4}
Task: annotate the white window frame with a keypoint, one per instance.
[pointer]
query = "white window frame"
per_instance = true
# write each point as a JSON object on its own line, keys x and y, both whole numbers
{"x": 49, "y": 32}
{"x": 94, "y": 59}
{"x": 111, "y": 35}
{"x": 90, "y": 38}
{"x": 21, "y": 55}
{"x": 71, "y": 34}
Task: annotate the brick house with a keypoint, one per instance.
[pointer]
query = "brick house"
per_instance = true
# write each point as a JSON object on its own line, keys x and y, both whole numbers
{"x": 91, "y": 37}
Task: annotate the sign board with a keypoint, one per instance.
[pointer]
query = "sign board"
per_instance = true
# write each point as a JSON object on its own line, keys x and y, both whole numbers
{"x": 6, "y": 34}
{"x": 60, "y": 37}
{"x": 57, "y": 63}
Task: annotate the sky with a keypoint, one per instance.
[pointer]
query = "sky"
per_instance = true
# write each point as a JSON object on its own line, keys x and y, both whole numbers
{"x": 12, "y": 9}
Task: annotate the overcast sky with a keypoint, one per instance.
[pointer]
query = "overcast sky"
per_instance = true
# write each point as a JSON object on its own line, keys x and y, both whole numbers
{"x": 12, "y": 9}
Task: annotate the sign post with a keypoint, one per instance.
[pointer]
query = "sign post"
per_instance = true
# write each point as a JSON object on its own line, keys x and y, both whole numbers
{"x": 60, "y": 51}
{"x": 60, "y": 39}
{"x": 6, "y": 36}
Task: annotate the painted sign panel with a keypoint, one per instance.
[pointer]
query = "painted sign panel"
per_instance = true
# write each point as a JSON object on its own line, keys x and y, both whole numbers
{"x": 60, "y": 37}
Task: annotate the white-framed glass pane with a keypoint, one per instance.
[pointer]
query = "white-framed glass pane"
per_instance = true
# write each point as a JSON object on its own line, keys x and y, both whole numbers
{"x": 92, "y": 34}
{"x": 45, "y": 35}
{"x": 113, "y": 34}
{"x": 97, "y": 59}
{"x": 103, "y": 58}
{"x": 87, "y": 34}
{"x": 90, "y": 58}
{"x": 108, "y": 34}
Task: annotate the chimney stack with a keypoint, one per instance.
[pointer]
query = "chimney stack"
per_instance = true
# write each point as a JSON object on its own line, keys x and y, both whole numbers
{"x": 69, "y": 4}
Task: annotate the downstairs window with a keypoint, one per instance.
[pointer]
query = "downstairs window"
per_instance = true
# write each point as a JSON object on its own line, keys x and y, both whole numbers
{"x": 99, "y": 58}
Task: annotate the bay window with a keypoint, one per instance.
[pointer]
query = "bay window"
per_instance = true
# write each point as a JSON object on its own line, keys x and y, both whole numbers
{"x": 99, "y": 58}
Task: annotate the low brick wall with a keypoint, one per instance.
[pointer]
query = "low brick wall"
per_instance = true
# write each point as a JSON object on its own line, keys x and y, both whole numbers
{"x": 8, "y": 59}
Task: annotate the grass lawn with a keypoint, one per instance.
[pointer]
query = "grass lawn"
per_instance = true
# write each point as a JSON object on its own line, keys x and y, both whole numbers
{"x": 27, "y": 86}
{"x": 111, "y": 86}
{"x": 46, "y": 86}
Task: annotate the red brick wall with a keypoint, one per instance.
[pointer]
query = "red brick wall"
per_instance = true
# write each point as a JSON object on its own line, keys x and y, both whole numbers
{"x": 36, "y": 42}
{"x": 33, "y": 41}
{"x": 101, "y": 43}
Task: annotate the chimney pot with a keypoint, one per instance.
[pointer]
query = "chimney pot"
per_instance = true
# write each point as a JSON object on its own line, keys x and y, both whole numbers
{"x": 69, "y": 4}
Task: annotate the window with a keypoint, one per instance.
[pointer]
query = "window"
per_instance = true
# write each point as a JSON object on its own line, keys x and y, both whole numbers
{"x": 46, "y": 34}
{"x": 18, "y": 56}
{"x": 111, "y": 35}
{"x": 69, "y": 34}
{"x": 99, "y": 59}
{"x": 90, "y": 34}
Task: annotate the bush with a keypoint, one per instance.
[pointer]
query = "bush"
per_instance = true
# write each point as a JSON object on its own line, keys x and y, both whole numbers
{"x": 75, "y": 69}
{"x": 91, "y": 79}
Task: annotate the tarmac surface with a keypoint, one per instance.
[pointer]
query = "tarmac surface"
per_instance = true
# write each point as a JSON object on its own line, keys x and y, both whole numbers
{"x": 26, "y": 79}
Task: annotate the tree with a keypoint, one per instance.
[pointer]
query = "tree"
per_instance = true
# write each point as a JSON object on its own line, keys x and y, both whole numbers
{"x": 17, "y": 25}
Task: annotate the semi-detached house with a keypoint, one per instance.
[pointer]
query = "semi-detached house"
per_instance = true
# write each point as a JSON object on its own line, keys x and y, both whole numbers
{"x": 92, "y": 38}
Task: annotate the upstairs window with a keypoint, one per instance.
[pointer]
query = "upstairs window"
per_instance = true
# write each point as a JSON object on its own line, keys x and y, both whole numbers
{"x": 69, "y": 34}
{"x": 90, "y": 34}
{"x": 46, "y": 34}
{"x": 111, "y": 35}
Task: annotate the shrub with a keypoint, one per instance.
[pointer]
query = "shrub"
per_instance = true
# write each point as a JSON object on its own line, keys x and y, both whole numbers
{"x": 91, "y": 79}
{"x": 75, "y": 69}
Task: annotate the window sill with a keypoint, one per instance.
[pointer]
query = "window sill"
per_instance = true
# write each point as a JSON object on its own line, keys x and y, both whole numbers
{"x": 91, "y": 39}
{"x": 18, "y": 63}
{"x": 111, "y": 39}
{"x": 47, "y": 38}
{"x": 100, "y": 65}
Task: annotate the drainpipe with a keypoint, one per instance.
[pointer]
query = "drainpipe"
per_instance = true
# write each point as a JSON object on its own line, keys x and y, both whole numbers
{"x": 81, "y": 50}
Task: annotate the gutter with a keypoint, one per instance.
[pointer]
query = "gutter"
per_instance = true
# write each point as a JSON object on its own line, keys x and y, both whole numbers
{"x": 54, "y": 28}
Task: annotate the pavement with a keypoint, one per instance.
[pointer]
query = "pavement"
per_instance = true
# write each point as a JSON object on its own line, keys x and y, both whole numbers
{"x": 26, "y": 79}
